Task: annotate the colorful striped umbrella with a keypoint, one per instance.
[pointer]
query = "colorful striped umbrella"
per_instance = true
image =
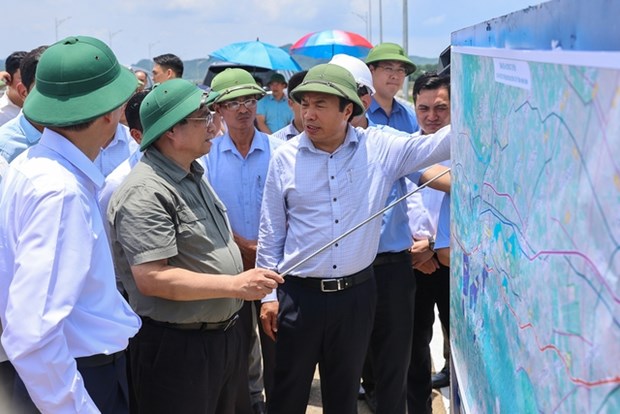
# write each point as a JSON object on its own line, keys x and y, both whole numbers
{"x": 327, "y": 43}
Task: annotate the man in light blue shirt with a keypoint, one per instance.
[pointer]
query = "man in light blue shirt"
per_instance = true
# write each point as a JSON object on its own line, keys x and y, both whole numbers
{"x": 236, "y": 167}
{"x": 117, "y": 150}
{"x": 389, "y": 65}
{"x": 19, "y": 133}
{"x": 321, "y": 184}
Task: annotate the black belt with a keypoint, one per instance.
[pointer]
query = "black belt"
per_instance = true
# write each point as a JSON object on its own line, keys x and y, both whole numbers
{"x": 334, "y": 285}
{"x": 98, "y": 360}
{"x": 390, "y": 258}
{"x": 195, "y": 326}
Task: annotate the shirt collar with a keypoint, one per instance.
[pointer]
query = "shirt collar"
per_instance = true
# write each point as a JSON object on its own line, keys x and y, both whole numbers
{"x": 170, "y": 168}
{"x": 374, "y": 106}
{"x": 260, "y": 142}
{"x": 65, "y": 148}
{"x": 349, "y": 139}
{"x": 31, "y": 134}
{"x": 120, "y": 135}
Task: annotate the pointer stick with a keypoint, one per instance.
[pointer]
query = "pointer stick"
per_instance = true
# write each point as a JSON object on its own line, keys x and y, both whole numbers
{"x": 377, "y": 214}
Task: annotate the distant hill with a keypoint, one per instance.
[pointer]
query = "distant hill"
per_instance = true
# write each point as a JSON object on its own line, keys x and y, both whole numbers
{"x": 195, "y": 69}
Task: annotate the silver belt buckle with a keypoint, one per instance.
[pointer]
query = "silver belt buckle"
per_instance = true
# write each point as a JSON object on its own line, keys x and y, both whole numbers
{"x": 338, "y": 287}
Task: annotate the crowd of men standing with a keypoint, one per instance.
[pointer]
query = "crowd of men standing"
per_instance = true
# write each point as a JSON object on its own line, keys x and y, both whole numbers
{"x": 177, "y": 249}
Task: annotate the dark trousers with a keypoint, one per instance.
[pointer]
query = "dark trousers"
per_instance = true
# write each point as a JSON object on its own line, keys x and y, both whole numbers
{"x": 107, "y": 385}
{"x": 245, "y": 325}
{"x": 14, "y": 397}
{"x": 268, "y": 350}
{"x": 385, "y": 371}
{"x": 331, "y": 329}
{"x": 431, "y": 289}
{"x": 188, "y": 371}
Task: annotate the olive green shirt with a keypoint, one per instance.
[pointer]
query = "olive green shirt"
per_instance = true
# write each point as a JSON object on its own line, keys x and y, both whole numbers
{"x": 162, "y": 212}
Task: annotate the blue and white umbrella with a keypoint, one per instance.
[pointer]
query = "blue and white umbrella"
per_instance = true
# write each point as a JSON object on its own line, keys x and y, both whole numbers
{"x": 257, "y": 53}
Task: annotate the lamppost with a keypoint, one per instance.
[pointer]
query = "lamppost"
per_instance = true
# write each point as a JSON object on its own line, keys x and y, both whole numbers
{"x": 380, "y": 22}
{"x": 111, "y": 36}
{"x": 364, "y": 17}
{"x": 406, "y": 45}
{"x": 151, "y": 47}
{"x": 59, "y": 22}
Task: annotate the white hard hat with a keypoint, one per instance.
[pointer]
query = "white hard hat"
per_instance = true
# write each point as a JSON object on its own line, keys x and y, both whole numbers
{"x": 358, "y": 69}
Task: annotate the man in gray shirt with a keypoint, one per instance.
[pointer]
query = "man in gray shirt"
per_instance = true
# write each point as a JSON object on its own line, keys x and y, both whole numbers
{"x": 177, "y": 259}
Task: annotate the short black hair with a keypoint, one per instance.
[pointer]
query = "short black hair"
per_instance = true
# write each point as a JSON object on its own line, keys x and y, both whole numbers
{"x": 28, "y": 65}
{"x": 170, "y": 61}
{"x": 13, "y": 60}
{"x": 430, "y": 81}
{"x": 132, "y": 110}
{"x": 296, "y": 80}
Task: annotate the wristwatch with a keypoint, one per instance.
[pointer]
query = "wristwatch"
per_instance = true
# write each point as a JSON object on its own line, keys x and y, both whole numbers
{"x": 431, "y": 243}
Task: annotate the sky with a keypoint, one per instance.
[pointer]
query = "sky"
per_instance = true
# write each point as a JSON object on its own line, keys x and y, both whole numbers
{"x": 140, "y": 29}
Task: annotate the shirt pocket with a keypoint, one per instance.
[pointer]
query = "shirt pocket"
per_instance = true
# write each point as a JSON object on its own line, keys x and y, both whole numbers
{"x": 191, "y": 222}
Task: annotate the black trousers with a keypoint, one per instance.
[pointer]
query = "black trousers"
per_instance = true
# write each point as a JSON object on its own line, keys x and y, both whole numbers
{"x": 389, "y": 352}
{"x": 431, "y": 289}
{"x": 14, "y": 397}
{"x": 187, "y": 371}
{"x": 107, "y": 385}
{"x": 331, "y": 329}
{"x": 268, "y": 350}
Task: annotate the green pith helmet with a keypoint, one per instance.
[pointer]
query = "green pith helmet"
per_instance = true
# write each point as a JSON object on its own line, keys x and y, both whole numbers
{"x": 77, "y": 80}
{"x": 333, "y": 80}
{"x": 234, "y": 83}
{"x": 390, "y": 51}
{"x": 167, "y": 104}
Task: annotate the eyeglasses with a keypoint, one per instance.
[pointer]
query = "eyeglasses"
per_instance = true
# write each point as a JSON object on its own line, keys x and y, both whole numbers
{"x": 235, "y": 105}
{"x": 208, "y": 120}
{"x": 391, "y": 70}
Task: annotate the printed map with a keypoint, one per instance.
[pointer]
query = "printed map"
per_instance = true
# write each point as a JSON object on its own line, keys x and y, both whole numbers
{"x": 535, "y": 293}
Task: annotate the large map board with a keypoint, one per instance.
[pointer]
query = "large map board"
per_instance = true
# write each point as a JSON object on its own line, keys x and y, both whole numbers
{"x": 535, "y": 295}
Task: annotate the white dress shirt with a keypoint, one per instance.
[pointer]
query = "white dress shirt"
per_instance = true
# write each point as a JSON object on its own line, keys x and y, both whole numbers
{"x": 311, "y": 197}
{"x": 117, "y": 151}
{"x": 58, "y": 298}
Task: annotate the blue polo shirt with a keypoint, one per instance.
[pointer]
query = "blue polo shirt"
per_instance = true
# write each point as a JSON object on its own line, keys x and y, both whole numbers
{"x": 395, "y": 234}
{"x": 402, "y": 116}
{"x": 277, "y": 113}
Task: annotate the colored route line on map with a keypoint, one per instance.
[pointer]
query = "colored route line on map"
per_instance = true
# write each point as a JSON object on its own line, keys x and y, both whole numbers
{"x": 586, "y": 172}
{"x": 547, "y": 347}
{"x": 551, "y": 347}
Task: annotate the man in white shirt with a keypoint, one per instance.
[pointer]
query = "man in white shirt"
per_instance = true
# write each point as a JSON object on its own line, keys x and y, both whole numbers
{"x": 65, "y": 323}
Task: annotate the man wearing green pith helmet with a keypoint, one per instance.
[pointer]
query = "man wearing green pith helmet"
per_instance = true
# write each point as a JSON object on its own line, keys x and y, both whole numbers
{"x": 65, "y": 323}
{"x": 321, "y": 184}
{"x": 176, "y": 256}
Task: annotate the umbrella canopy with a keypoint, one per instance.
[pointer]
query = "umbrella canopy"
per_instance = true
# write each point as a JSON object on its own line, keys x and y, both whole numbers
{"x": 257, "y": 53}
{"x": 327, "y": 43}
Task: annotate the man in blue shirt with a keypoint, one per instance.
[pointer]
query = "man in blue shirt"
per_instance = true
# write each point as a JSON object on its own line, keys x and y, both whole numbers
{"x": 273, "y": 110}
{"x": 321, "y": 184}
{"x": 389, "y": 65}
{"x": 19, "y": 133}
{"x": 236, "y": 167}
